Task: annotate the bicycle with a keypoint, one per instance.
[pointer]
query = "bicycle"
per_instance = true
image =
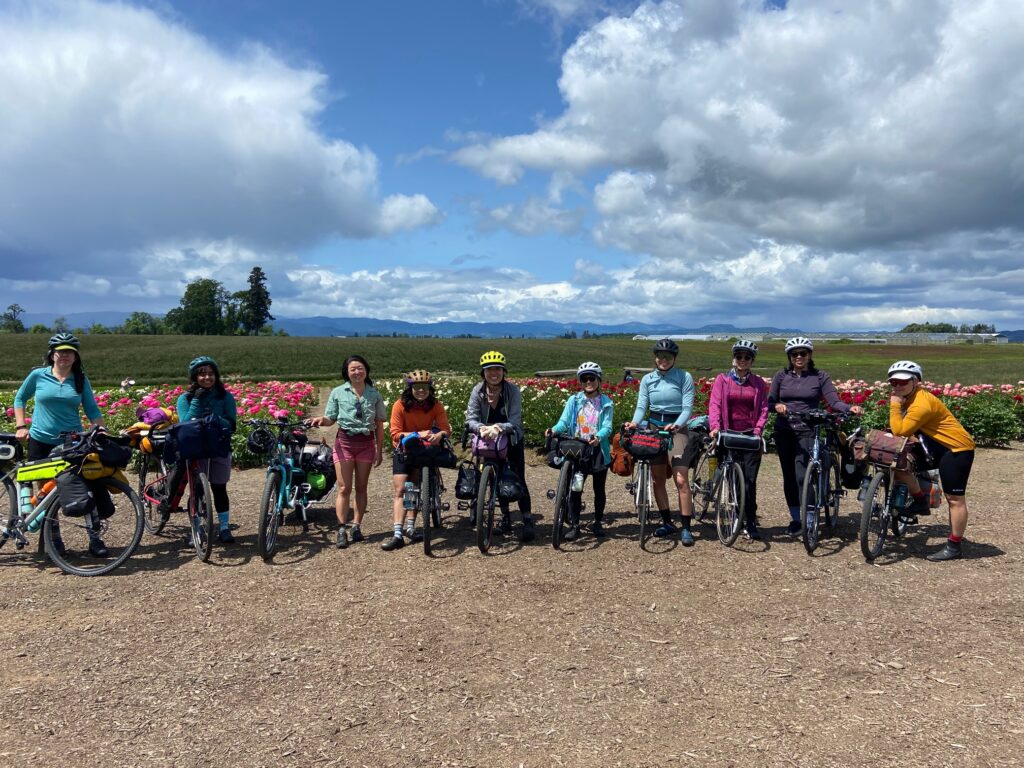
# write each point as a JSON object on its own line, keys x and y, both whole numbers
{"x": 490, "y": 462}
{"x": 117, "y": 527}
{"x": 702, "y": 476}
{"x": 728, "y": 487}
{"x": 426, "y": 498}
{"x": 822, "y": 487}
{"x": 643, "y": 446}
{"x": 200, "y": 503}
{"x": 573, "y": 453}
{"x": 151, "y": 463}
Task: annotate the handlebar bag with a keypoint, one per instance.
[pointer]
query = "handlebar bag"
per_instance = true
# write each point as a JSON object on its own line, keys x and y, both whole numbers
{"x": 205, "y": 438}
{"x": 885, "y": 449}
{"x": 642, "y": 445}
{"x": 486, "y": 448}
{"x": 739, "y": 441}
{"x": 420, "y": 454}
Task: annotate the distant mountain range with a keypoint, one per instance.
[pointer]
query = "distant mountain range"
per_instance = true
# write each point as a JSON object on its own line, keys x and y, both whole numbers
{"x": 540, "y": 329}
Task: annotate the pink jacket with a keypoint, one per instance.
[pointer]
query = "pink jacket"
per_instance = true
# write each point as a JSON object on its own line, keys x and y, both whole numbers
{"x": 738, "y": 407}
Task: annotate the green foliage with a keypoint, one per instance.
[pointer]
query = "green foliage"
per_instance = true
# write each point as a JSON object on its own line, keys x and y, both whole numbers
{"x": 993, "y": 418}
{"x": 929, "y": 328}
{"x": 10, "y": 321}
{"x": 202, "y": 309}
{"x": 254, "y": 303}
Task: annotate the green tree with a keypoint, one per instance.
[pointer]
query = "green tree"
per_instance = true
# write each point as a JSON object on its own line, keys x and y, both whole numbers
{"x": 38, "y": 328}
{"x": 98, "y": 328}
{"x": 202, "y": 308}
{"x": 254, "y": 303}
{"x": 10, "y": 321}
{"x": 60, "y": 325}
{"x": 929, "y": 328}
{"x": 142, "y": 324}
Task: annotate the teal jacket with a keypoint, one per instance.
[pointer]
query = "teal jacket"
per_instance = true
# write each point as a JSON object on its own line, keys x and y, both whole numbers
{"x": 567, "y": 422}
{"x": 198, "y": 407}
{"x": 57, "y": 404}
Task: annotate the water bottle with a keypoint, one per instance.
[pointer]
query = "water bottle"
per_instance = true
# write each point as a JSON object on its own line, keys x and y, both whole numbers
{"x": 25, "y": 494}
{"x": 409, "y": 495}
{"x": 712, "y": 465}
{"x": 36, "y": 523}
{"x": 577, "y": 482}
{"x": 899, "y": 496}
{"x": 48, "y": 486}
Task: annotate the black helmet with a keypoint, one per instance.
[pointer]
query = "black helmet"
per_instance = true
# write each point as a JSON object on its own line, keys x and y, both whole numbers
{"x": 667, "y": 345}
{"x": 64, "y": 341}
{"x": 260, "y": 441}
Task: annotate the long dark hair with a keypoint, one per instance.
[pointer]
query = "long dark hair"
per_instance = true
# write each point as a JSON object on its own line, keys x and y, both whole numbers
{"x": 356, "y": 359}
{"x": 77, "y": 371}
{"x": 218, "y": 385}
{"x": 408, "y": 400}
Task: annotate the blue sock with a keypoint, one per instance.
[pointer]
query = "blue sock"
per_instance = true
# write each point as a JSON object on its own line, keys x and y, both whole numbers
{"x": 222, "y": 518}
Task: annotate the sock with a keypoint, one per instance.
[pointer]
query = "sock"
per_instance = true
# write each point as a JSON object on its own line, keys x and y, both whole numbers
{"x": 222, "y": 518}
{"x": 666, "y": 516}
{"x": 353, "y": 526}
{"x": 398, "y": 530}
{"x": 686, "y": 523}
{"x": 955, "y": 539}
{"x": 794, "y": 512}
{"x": 410, "y": 524}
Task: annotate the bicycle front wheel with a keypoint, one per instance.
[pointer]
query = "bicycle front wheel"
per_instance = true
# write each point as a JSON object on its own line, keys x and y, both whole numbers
{"x": 833, "y": 493}
{"x": 812, "y": 505}
{"x": 200, "y": 511}
{"x": 729, "y": 504}
{"x": 8, "y": 504}
{"x": 99, "y": 542}
{"x": 427, "y": 501}
{"x": 485, "y": 504}
{"x": 151, "y": 470}
{"x": 874, "y": 518}
{"x": 642, "y": 497}
{"x": 561, "y": 505}
{"x": 270, "y": 516}
{"x": 702, "y": 484}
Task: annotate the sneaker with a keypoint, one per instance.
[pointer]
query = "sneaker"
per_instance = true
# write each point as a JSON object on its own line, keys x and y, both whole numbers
{"x": 664, "y": 530}
{"x": 949, "y": 552}
{"x": 504, "y": 527}
{"x": 97, "y": 548}
{"x": 571, "y": 533}
{"x": 413, "y": 535}
{"x": 751, "y": 532}
{"x": 395, "y": 542}
{"x": 529, "y": 531}
{"x": 357, "y": 534}
{"x": 597, "y": 529}
{"x": 225, "y": 536}
{"x": 342, "y": 538}
{"x": 686, "y": 537}
{"x": 794, "y": 528}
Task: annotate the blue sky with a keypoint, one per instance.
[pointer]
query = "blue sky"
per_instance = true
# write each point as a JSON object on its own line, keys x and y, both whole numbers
{"x": 823, "y": 164}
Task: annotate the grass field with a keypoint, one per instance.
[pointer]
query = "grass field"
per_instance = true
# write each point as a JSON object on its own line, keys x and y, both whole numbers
{"x": 159, "y": 359}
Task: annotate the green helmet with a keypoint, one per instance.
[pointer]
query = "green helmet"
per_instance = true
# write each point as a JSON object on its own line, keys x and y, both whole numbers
{"x": 199, "y": 362}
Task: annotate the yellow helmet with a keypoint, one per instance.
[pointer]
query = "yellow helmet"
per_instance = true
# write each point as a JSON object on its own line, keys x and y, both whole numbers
{"x": 492, "y": 359}
{"x": 419, "y": 375}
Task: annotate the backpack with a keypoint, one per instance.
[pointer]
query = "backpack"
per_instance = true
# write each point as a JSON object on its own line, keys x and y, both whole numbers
{"x": 622, "y": 461}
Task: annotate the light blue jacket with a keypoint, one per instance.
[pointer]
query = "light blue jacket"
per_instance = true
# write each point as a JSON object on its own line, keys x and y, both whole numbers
{"x": 670, "y": 392}
{"x": 57, "y": 403}
{"x": 567, "y": 422}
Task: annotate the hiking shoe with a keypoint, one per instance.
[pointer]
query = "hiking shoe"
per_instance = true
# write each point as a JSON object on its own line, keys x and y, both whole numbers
{"x": 794, "y": 528}
{"x": 504, "y": 527}
{"x": 571, "y": 533}
{"x": 413, "y": 535}
{"x": 664, "y": 530}
{"x": 357, "y": 534}
{"x": 751, "y": 532}
{"x": 395, "y": 542}
{"x": 342, "y": 538}
{"x": 597, "y": 529}
{"x": 97, "y": 548}
{"x": 225, "y": 536}
{"x": 529, "y": 531}
{"x": 686, "y": 537}
{"x": 949, "y": 552}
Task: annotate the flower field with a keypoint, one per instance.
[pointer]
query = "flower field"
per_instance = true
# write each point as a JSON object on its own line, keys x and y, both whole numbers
{"x": 992, "y": 413}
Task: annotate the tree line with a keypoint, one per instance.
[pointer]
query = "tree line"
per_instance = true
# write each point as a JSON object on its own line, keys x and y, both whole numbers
{"x": 948, "y": 328}
{"x": 206, "y": 309}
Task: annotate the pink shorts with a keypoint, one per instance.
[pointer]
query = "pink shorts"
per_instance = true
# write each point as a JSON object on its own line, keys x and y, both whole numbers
{"x": 354, "y": 448}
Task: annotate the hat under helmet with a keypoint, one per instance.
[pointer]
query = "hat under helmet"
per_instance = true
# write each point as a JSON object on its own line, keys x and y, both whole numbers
{"x": 903, "y": 369}
{"x": 64, "y": 341}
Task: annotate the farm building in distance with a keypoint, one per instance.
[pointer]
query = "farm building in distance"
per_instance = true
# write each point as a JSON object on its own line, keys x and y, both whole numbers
{"x": 875, "y": 337}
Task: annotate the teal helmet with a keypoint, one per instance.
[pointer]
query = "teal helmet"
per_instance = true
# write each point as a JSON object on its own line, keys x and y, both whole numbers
{"x": 199, "y": 362}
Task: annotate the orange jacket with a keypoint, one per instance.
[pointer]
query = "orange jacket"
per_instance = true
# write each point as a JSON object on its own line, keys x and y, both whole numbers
{"x": 924, "y": 412}
{"x": 404, "y": 421}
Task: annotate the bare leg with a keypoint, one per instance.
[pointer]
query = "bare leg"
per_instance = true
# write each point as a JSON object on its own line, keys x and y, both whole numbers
{"x": 362, "y": 477}
{"x": 957, "y": 514}
{"x": 342, "y": 507}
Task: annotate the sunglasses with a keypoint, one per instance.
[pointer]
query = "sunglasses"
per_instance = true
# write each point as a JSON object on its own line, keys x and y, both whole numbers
{"x": 899, "y": 382}
{"x": 421, "y": 387}
{"x": 664, "y": 356}
{"x": 799, "y": 353}
{"x": 743, "y": 357}
{"x": 588, "y": 379}
{"x": 359, "y": 409}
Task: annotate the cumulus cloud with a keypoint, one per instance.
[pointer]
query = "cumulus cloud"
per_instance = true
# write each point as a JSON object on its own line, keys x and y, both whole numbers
{"x": 533, "y": 217}
{"x": 122, "y": 129}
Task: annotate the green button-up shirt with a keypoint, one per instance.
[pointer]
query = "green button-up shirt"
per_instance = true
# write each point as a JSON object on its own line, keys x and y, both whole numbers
{"x": 355, "y": 415}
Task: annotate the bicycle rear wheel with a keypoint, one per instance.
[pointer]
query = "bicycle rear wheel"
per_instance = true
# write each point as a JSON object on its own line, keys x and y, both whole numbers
{"x": 561, "y": 504}
{"x": 151, "y": 470}
{"x": 270, "y": 516}
{"x": 874, "y": 518}
{"x": 119, "y": 533}
{"x": 485, "y": 503}
{"x": 200, "y": 511}
{"x": 427, "y": 500}
{"x": 812, "y": 506}
{"x": 702, "y": 484}
{"x": 833, "y": 494}
{"x": 729, "y": 504}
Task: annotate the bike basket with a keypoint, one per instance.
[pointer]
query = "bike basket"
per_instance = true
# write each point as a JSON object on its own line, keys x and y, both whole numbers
{"x": 200, "y": 439}
{"x": 467, "y": 481}
{"x": 486, "y": 448}
{"x": 40, "y": 469}
{"x": 885, "y": 450}
{"x": 738, "y": 441}
{"x": 645, "y": 446}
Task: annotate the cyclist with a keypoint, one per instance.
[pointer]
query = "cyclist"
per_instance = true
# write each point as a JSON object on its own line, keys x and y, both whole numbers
{"x": 358, "y": 409}
{"x": 799, "y": 388}
{"x": 587, "y": 415}
{"x": 913, "y": 409}
{"x": 60, "y": 388}
{"x": 417, "y": 413}
{"x": 666, "y": 396}
{"x": 739, "y": 401}
{"x": 206, "y": 395}
{"x": 496, "y": 407}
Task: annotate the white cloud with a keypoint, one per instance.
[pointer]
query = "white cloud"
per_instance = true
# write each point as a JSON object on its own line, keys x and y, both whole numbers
{"x": 121, "y": 129}
{"x": 534, "y": 217}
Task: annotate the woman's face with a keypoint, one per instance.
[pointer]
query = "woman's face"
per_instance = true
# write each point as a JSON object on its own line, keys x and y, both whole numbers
{"x": 902, "y": 387}
{"x": 590, "y": 383}
{"x": 356, "y": 371}
{"x": 63, "y": 359}
{"x": 494, "y": 375}
{"x": 742, "y": 361}
{"x": 420, "y": 390}
{"x": 206, "y": 377}
{"x": 664, "y": 361}
{"x": 799, "y": 358}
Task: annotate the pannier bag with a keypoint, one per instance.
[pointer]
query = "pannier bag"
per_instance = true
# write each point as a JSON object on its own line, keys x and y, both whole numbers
{"x": 486, "y": 448}
{"x": 467, "y": 481}
{"x": 622, "y": 461}
{"x": 510, "y": 487}
{"x": 739, "y": 441}
{"x": 885, "y": 449}
{"x": 318, "y": 462}
{"x": 205, "y": 438}
{"x": 642, "y": 445}
{"x": 420, "y": 454}
{"x": 851, "y": 471}
{"x": 76, "y": 497}
{"x": 931, "y": 487}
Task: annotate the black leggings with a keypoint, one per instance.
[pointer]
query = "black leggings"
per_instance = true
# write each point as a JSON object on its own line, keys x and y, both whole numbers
{"x": 794, "y": 450}
{"x": 598, "y": 480}
{"x": 517, "y": 463}
{"x": 750, "y": 461}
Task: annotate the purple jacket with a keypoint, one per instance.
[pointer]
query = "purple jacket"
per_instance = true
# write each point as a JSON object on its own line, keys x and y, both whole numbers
{"x": 801, "y": 394}
{"x": 741, "y": 407}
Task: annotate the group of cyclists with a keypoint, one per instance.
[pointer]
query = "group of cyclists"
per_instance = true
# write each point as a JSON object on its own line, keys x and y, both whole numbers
{"x": 740, "y": 401}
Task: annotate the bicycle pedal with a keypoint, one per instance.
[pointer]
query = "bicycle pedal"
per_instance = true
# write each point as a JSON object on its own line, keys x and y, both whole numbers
{"x": 445, "y": 506}
{"x": 304, "y": 488}
{"x": 630, "y": 488}
{"x": 551, "y": 494}
{"x": 462, "y": 505}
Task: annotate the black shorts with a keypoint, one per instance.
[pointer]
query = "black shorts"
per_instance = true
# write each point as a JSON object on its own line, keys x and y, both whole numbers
{"x": 954, "y": 467}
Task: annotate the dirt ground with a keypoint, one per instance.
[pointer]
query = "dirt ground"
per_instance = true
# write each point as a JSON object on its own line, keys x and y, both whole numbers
{"x": 600, "y": 655}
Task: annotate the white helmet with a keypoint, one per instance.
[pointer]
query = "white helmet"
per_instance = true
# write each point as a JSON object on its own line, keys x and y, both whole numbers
{"x": 745, "y": 346}
{"x": 903, "y": 369}
{"x": 591, "y": 368}
{"x": 799, "y": 342}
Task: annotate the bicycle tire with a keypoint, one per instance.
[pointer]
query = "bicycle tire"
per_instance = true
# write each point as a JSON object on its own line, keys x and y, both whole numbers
{"x": 729, "y": 510}
{"x": 642, "y": 498}
{"x": 121, "y": 533}
{"x": 270, "y": 516}
{"x": 426, "y": 504}
{"x": 561, "y": 504}
{"x": 874, "y": 517}
{"x": 485, "y": 504}
{"x": 154, "y": 521}
{"x": 200, "y": 506}
{"x": 9, "y": 508}
{"x": 702, "y": 484}
{"x": 811, "y": 505}
{"x": 833, "y": 495}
